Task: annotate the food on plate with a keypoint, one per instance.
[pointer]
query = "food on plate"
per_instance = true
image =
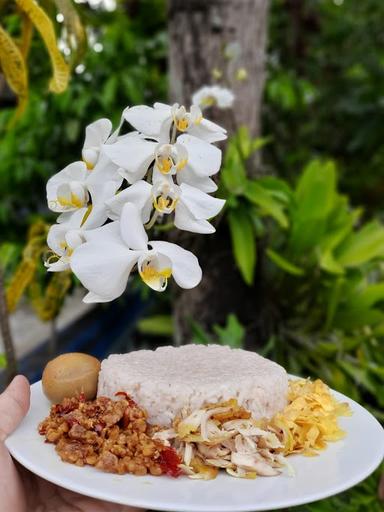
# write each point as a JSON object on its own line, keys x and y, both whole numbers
{"x": 224, "y": 435}
{"x": 194, "y": 410}
{"x": 166, "y": 380}
{"x": 309, "y": 420}
{"x": 69, "y": 375}
{"x": 112, "y": 435}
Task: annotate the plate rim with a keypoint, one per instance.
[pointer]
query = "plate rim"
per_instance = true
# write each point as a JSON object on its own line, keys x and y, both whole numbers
{"x": 145, "y": 504}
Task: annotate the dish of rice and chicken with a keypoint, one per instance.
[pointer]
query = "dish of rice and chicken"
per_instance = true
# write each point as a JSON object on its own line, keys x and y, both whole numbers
{"x": 194, "y": 410}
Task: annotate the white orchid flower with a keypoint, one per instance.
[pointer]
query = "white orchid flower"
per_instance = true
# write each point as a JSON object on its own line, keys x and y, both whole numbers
{"x": 96, "y": 134}
{"x": 74, "y": 188}
{"x": 191, "y": 159}
{"x": 191, "y": 207}
{"x": 67, "y": 190}
{"x": 213, "y": 95}
{"x": 63, "y": 239}
{"x": 161, "y": 121}
{"x": 104, "y": 262}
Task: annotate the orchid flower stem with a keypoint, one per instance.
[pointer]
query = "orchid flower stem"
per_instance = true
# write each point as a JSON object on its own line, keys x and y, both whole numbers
{"x": 173, "y": 136}
{"x": 151, "y": 223}
{"x": 165, "y": 227}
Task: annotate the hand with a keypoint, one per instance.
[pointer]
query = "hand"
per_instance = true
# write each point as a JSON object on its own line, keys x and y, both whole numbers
{"x": 21, "y": 490}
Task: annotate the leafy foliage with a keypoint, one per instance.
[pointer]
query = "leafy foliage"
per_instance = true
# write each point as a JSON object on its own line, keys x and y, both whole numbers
{"x": 247, "y": 201}
{"x": 232, "y": 334}
{"x": 324, "y": 91}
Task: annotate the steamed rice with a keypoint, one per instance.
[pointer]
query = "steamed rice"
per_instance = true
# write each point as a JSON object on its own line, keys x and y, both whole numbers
{"x": 169, "y": 379}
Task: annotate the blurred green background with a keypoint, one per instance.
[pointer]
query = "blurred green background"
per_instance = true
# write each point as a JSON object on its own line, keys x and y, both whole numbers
{"x": 318, "y": 213}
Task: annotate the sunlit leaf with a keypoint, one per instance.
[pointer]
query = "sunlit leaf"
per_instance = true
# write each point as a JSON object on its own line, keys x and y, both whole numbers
{"x": 284, "y": 264}
{"x": 232, "y": 334}
{"x": 156, "y": 325}
{"x": 261, "y": 197}
{"x": 243, "y": 243}
{"x": 362, "y": 246}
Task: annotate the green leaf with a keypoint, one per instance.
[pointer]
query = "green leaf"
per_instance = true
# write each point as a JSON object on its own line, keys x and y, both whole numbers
{"x": 327, "y": 348}
{"x": 157, "y": 325}
{"x": 315, "y": 197}
{"x": 359, "y": 375}
{"x": 356, "y": 317}
{"x": 284, "y": 264}
{"x": 233, "y": 173}
{"x": 8, "y": 254}
{"x": 368, "y": 297}
{"x": 278, "y": 188}
{"x": 329, "y": 264}
{"x": 243, "y": 243}
{"x": 333, "y": 301}
{"x": 261, "y": 197}
{"x": 316, "y": 189}
{"x": 199, "y": 335}
{"x": 362, "y": 246}
{"x": 3, "y": 361}
{"x": 232, "y": 334}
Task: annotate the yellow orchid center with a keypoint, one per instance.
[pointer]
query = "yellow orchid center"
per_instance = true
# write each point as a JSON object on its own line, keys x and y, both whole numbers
{"x": 208, "y": 101}
{"x": 73, "y": 202}
{"x": 89, "y": 165}
{"x": 164, "y": 204}
{"x": 165, "y": 165}
{"x": 150, "y": 275}
{"x": 181, "y": 164}
{"x": 68, "y": 250}
{"x": 182, "y": 124}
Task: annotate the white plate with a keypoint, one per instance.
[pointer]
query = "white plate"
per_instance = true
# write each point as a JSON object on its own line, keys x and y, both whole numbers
{"x": 342, "y": 465}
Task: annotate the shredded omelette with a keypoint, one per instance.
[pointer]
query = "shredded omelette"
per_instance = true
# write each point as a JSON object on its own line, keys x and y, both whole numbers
{"x": 310, "y": 419}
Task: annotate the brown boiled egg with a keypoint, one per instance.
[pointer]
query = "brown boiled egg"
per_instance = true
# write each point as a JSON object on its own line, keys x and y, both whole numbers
{"x": 69, "y": 375}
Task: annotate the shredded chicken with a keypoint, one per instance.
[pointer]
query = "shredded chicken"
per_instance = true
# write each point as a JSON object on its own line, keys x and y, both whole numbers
{"x": 224, "y": 435}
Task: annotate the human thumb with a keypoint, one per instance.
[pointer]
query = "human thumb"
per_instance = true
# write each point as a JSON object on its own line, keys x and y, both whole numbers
{"x": 14, "y": 405}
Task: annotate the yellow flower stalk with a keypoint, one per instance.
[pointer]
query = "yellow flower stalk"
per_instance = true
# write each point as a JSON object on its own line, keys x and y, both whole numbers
{"x": 13, "y": 66}
{"x": 44, "y": 26}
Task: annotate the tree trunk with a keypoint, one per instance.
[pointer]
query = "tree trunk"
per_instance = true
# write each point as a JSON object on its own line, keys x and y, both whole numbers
{"x": 201, "y": 33}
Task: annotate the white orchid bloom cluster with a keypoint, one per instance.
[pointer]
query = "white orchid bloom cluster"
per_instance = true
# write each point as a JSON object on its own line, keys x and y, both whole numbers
{"x": 123, "y": 185}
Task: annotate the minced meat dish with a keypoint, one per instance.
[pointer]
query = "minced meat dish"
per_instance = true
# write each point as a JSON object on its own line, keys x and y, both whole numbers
{"x": 112, "y": 435}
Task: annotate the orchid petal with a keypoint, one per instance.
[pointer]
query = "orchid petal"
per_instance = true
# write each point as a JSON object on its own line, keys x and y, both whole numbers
{"x": 185, "y": 266}
{"x": 138, "y": 194}
{"x": 147, "y": 120}
{"x": 104, "y": 170}
{"x": 59, "y": 266}
{"x": 108, "y": 234}
{"x": 203, "y": 183}
{"x": 131, "y": 228}
{"x": 134, "y": 154}
{"x": 203, "y": 159}
{"x": 97, "y": 133}
{"x": 185, "y": 220}
{"x": 155, "y": 269}
{"x": 74, "y": 172}
{"x": 56, "y": 238}
{"x": 201, "y": 205}
{"x": 91, "y": 298}
{"x": 208, "y": 131}
{"x": 103, "y": 269}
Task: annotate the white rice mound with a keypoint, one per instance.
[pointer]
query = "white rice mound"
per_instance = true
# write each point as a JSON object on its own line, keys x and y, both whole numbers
{"x": 165, "y": 380}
